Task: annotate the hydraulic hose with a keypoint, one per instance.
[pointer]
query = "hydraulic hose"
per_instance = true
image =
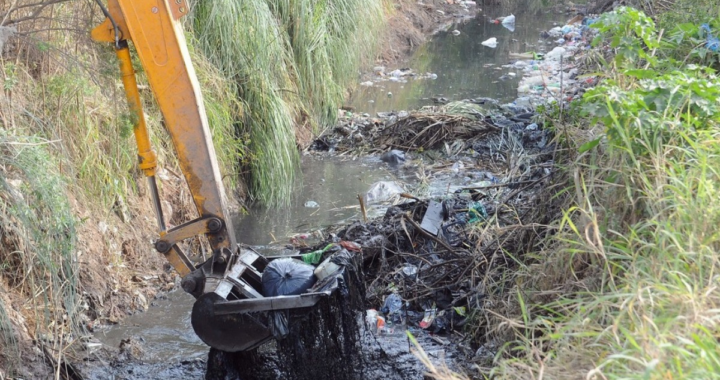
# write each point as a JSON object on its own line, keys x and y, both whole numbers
{"x": 112, "y": 21}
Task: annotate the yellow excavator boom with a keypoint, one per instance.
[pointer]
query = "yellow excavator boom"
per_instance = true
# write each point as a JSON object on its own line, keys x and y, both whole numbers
{"x": 158, "y": 39}
{"x": 229, "y": 313}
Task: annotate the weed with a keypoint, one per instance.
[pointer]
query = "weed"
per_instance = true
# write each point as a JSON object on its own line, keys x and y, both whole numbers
{"x": 38, "y": 230}
{"x": 245, "y": 42}
{"x": 627, "y": 288}
{"x": 291, "y": 62}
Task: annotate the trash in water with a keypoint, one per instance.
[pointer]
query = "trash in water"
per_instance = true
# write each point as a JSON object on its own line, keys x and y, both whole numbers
{"x": 284, "y": 277}
{"x": 440, "y": 323}
{"x": 393, "y": 307}
{"x": 393, "y": 157}
{"x": 380, "y": 325}
{"x": 383, "y": 191}
{"x": 350, "y": 246}
{"x": 311, "y": 204}
{"x": 457, "y": 167}
{"x": 455, "y": 32}
{"x": 371, "y": 317}
{"x": 508, "y": 20}
{"x": 433, "y": 217}
{"x": 490, "y": 42}
{"x": 555, "y": 54}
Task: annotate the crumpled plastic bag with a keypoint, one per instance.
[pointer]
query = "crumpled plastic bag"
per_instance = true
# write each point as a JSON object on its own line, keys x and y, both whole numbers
{"x": 490, "y": 42}
{"x": 713, "y": 42}
{"x": 285, "y": 277}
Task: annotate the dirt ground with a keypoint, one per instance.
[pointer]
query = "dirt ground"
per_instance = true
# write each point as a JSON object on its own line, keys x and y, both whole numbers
{"x": 413, "y": 21}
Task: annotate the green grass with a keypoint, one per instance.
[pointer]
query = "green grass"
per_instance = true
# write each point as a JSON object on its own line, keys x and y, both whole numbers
{"x": 225, "y": 112}
{"x": 37, "y": 259}
{"x": 245, "y": 42}
{"x": 292, "y": 61}
{"x": 680, "y": 11}
{"x": 629, "y": 287}
{"x": 328, "y": 46}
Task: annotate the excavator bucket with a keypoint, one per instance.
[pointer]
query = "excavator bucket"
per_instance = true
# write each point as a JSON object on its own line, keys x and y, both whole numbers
{"x": 245, "y": 323}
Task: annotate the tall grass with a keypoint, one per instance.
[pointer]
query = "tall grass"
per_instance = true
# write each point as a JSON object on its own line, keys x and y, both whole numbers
{"x": 37, "y": 258}
{"x": 292, "y": 61}
{"x": 225, "y": 112}
{"x": 328, "y": 45}
{"x": 629, "y": 288}
{"x": 244, "y": 40}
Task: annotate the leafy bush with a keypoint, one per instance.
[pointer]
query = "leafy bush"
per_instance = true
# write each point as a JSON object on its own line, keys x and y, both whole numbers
{"x": 656, "y": 108}
{"x": 628, "y": 286}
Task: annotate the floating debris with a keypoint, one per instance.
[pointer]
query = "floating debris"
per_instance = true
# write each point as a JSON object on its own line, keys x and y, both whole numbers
{"x": 490, "y": 42}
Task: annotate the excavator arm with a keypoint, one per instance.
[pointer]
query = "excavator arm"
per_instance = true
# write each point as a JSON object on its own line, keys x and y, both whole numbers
{"x": 230, "y": 313}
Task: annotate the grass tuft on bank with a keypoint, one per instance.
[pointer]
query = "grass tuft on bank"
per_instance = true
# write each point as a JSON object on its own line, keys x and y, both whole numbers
{"x": 291, "y": 62}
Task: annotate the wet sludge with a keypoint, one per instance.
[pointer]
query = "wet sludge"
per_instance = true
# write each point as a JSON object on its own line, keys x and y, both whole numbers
{"x": 324, "y": 342}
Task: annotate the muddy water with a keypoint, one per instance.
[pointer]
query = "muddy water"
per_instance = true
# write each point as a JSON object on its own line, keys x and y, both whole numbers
{"x": 164, "y": 330}
{"x": 465, "y": 68}
{"x": 333, "y": 184}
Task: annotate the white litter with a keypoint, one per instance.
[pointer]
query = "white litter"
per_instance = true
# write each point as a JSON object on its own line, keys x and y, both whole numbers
{"x": 555, "y": 54}
{"x": 509, "y": 20}
{"x": 383, "y": 191}
{"x": 490, "y": 42}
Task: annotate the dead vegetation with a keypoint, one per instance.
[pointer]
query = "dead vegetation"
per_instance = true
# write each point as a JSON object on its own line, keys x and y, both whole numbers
{"x": 430, "y": 130}
{"x": 464, "y": 269}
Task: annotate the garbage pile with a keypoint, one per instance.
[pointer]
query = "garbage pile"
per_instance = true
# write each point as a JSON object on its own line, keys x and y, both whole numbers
{"x": 468, "y": 121}
{"x": 553, "y": 76}
{"x": 430, "y": 263}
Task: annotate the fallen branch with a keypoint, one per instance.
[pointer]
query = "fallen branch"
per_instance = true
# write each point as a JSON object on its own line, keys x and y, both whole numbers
{"x": 428, "y": 235}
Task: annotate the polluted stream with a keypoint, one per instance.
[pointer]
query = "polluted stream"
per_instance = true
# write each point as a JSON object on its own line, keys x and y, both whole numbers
{"x": 454, "y": 65}
{"x": 160, "y": 343}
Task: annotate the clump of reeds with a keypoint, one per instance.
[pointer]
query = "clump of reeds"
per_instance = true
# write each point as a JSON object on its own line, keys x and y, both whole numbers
{"x": 244, "y": 40}
{"x": 292, "y": 61}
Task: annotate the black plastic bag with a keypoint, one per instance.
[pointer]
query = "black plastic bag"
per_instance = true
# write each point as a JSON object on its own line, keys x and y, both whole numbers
{"x": 285, "y": 277}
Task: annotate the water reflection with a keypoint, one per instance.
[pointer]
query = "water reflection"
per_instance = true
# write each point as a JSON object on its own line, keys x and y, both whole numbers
{"x": 333, "y": 183}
